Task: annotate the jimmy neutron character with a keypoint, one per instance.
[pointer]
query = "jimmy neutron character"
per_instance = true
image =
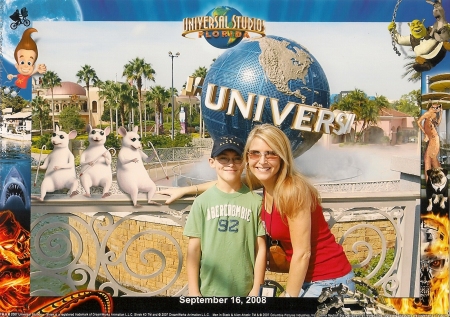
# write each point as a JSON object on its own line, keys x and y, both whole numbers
{"x": 26, "y": 54}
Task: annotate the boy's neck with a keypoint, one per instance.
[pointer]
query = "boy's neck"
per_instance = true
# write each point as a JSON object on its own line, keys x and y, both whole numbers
{"x": 228, "y": 187}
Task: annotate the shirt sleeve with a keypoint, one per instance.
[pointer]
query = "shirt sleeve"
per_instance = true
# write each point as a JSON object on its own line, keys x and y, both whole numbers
{"x": 193, "y": 227}
{"x": 260, "y": 230}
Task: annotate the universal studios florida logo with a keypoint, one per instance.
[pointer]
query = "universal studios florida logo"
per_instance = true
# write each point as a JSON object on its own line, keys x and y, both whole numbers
{"x": 223, "y": 27}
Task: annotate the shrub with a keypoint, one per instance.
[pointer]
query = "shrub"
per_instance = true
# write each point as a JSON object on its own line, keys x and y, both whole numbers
{"x": 40, "y": 141}
{"x": 165, "y": 141}
{"x": 362, "y": 272}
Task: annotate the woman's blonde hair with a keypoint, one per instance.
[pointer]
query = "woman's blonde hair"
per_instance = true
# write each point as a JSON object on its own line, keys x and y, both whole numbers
{"x": 292, "y": 190}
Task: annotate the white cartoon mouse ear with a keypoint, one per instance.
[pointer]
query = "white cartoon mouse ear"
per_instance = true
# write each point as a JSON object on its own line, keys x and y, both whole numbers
{"x": 72, "y": 134}
{"x": 122, "y": 131}
{"x": 56, "y": 128}
{"x": 135, "y": 129}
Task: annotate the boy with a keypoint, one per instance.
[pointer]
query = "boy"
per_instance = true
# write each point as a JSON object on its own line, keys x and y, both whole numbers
{"x": 26, "y": 54}
{"x": 227, "y": 250}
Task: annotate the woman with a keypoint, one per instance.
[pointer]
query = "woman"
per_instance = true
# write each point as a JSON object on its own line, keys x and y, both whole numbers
{"x": 431, "y": 121}
{"x": 292, "y": 214}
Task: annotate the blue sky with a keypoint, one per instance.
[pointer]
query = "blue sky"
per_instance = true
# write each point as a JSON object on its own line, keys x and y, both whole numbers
{"x": 270, "y": 10}
{"x": 353, "y": 55}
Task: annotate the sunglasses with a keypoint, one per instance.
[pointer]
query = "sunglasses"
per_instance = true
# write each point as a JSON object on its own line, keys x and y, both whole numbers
{"x": 226, "y": 160}
{"x": 256, "y": 155}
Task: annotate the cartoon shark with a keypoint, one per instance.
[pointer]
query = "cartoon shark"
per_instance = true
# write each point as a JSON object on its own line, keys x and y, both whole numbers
{"x": 14, "y": 191}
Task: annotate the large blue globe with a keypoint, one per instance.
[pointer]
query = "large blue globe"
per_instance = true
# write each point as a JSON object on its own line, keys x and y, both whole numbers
{"x": 271, "y": 66}
{"x": 230, "y": 40}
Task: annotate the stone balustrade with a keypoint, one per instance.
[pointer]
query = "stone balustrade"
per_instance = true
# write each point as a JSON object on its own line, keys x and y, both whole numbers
{"x": 107, "y": 244}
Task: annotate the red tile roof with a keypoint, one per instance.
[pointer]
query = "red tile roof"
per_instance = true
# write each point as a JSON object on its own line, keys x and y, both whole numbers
{"x": 387, "y": 112}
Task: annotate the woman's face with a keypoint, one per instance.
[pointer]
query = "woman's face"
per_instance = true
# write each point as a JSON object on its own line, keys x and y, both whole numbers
{"x": 263, "y": 162}
{"x": 435, "y": 108}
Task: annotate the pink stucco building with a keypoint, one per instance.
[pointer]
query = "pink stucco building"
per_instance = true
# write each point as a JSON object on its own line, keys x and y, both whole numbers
{"x": 393, "y": 127}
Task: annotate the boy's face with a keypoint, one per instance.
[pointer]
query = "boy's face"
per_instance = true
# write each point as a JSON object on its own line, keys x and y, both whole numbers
{"x": 228, "y": 166}
{"x": 25, "y": 61}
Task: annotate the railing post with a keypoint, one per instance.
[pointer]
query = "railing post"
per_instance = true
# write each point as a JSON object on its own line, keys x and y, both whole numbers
{"x": 408, "y": 269}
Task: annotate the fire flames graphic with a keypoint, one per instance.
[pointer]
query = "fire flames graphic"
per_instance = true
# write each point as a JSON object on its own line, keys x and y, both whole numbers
{"x": 15, "y": 277}
{"x": 435, "y": 255}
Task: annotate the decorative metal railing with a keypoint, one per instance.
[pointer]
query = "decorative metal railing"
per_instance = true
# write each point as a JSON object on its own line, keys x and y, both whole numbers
{"x": 107, "y": 244}
{"x": 166, "y": 155}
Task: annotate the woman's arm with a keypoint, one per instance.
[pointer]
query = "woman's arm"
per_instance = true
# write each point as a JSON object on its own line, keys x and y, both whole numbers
{"x": 420, "y": 120}
{"x": 440, "y": 116}
{"x": 300, "y": 232}
{"x": 260, "y": 265}
{"x": 175, "y": 193}
{"x": 420, "y": 124}
{"x": 193, "y": 265}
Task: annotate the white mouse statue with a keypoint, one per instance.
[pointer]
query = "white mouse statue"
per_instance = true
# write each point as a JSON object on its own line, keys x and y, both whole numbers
{"x": 132, "y": 177}
{"x": 95, "y": 162}
{"x": 60, "y": 165}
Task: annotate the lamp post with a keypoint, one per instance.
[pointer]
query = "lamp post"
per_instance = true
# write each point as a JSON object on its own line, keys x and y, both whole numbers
{"x": 173, "y": 100}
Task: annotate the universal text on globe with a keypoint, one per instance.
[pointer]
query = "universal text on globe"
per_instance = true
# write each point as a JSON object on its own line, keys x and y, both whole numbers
{"x": 311, "y": 118}
{"x": 218, "y": 26}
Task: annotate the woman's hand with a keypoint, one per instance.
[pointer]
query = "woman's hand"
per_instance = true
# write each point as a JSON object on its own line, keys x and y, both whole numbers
{"x": 178, "y": 192}
{"x": 174, "y": 193}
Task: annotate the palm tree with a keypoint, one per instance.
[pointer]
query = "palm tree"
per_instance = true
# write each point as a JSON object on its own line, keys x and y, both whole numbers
{"x": 40, "y": 110}
{"x": 109, "y": 93}
{"x": 50, "y": 80}
{"x": 87, "y": 74}
{"x": 371, "y": 112}
{"x": 123, "y": 92}
{"x": 200, "y": 72}
{"x": 356, "y": 102}
{"x": 136, "y": 70}
{"x": 414, "y": 76}
{"x": 158, "y": 95}
{"x": 410, "y": 103}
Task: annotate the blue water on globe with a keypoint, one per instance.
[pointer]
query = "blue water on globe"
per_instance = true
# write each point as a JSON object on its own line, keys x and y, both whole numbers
{"x": 231, "y": 40}
{"x": 283, "y": 69}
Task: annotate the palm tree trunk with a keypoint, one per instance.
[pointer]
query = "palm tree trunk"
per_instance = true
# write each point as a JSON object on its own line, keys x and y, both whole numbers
{"x": 110, "y": 118}
{"x": 140, "y": 112}
{"x": 117, "y": 124}
{"x": 89, "y": 106}
{"x": 53, "y": 111}
{"x": 158, "y": 119}
{"x": 122, "y": 115}
{"x": 161, "y": 116}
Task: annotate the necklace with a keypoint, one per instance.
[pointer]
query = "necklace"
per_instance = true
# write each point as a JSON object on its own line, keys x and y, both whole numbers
{"x": 267, "y": 205}
{"x": 267, "y": 212}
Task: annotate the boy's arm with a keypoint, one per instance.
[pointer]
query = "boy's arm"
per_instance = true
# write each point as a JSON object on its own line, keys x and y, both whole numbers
{"x": 260, "y": 265}
{"x": 193, "y": 265}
